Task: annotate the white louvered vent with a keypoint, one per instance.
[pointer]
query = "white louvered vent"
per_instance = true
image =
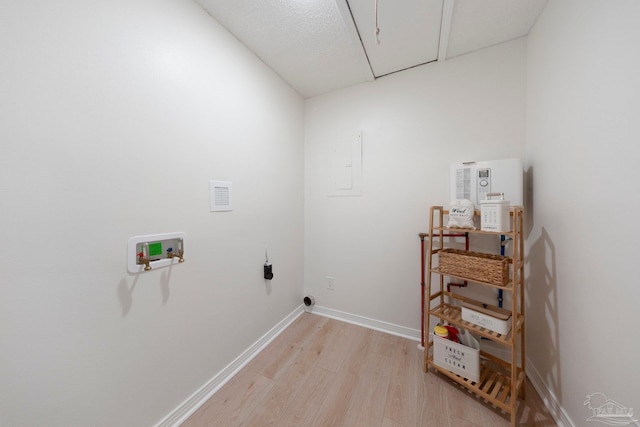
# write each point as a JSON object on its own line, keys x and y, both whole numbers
{"x": 220, "y": 196}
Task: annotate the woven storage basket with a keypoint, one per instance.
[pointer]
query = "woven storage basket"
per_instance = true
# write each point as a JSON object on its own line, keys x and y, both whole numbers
{"x": 478, "y": 266}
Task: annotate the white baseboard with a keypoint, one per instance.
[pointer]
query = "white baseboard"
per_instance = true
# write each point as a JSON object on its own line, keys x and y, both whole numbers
{"x": 196, "y": 400}
{"x": 548, "y": 398}
{"x": 556, "y": 410}
{"x": 390, "y": 328}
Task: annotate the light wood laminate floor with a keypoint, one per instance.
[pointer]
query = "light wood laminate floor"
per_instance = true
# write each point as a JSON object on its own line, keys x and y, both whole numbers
{"x": 323, "y": 372}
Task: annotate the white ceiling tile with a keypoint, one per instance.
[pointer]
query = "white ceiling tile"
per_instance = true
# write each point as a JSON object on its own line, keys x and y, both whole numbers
{"x": 409, "y": 32}
{"x": 316, "y": 46}
{"x": 308, "y": 43}
{"x": 479, "y": 24}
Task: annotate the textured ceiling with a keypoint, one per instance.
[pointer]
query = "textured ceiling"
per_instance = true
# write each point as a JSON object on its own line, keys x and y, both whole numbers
{"x": 321, "y": 45}
{"x": 477, "y": 24}
{"x": 312, "y": 44}
{"x": 409, "y": 32}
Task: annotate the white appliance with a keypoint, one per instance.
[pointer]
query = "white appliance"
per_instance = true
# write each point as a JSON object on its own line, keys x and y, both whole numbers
{"x": 474, "y": 180}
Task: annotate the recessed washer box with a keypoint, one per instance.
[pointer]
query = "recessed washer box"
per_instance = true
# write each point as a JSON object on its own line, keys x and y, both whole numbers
{"x": 158, "y": 246}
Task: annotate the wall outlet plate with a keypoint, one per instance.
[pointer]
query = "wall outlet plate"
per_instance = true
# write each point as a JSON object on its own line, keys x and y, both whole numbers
{"x": 330, "y": 284}
{"x": 268, "y": 271}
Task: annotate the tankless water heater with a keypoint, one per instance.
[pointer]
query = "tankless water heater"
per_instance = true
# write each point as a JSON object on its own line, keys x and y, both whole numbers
{"x": 474, "y": 180}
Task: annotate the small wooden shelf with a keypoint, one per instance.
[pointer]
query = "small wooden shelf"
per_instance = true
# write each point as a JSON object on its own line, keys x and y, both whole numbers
{"x": 494, "y": 386}
{"x": 501, "y": 381}
{"x": 471, "y": 231}
{"x": 453, "y": 315}
{"x": 507, "y": 287}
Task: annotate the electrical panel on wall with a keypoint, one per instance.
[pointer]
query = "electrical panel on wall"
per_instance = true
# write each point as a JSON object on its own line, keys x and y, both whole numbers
{"x": 474, "y": 180}
{"x": 345, "y": 168}
{"x": 154, "y": 251}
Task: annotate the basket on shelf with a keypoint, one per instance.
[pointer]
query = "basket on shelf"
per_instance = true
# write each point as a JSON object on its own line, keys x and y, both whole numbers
{"x": 477, "y": 266}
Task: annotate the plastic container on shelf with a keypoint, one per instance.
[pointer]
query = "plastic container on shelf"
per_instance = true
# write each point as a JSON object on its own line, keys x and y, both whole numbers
{"x": 488, "y": 316}
{"x": 460, "y": 359}
{"x": 494, "y": 213}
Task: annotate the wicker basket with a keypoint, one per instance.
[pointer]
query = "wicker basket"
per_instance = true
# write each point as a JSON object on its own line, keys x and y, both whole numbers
{"x": 476, "y": 266}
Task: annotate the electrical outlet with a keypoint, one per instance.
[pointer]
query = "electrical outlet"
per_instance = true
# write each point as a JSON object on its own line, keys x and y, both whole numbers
{"x": 330, "y": 283}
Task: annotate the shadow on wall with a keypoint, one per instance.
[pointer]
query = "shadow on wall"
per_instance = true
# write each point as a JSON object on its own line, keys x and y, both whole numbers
{"x": 528, "y": 202}
{"x": 125, "y": 292}
{"x": 542, "y": 308}
{"x": 541, "y": 298}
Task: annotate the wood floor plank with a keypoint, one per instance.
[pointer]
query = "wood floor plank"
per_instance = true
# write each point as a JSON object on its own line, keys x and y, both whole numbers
{"x": 231, "y": 404}
{"x": 336, "y": 405}
{"x": 406, "y": 389}
{"x": 367, "y": 405}
{"x": 385, "y": 344}
{"x": 290, "y": 346}
{"x": 344, "y": 336}
{"x": 305, "y": 356}
{"x": 386, "y": 422}
{"x": 324, "y": 372}
{"x": 306, "y": 404}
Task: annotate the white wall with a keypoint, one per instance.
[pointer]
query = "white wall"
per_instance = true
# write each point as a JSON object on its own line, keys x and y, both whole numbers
{"x": 583, "y": 147}
{"x": 114, "y": 117}
{"x": 414, "y": 124}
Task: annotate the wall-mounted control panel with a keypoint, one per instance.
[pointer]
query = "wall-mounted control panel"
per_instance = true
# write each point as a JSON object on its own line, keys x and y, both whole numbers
{"x": 474, "y": 180}
{"x": 153, "y": 251}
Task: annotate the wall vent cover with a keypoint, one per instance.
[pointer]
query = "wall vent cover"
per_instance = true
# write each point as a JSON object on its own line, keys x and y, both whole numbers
{"x": 220, "y": 196}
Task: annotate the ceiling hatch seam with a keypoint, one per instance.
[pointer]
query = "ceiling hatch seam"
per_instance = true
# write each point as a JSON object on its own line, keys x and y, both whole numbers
{"x": 445, "y": 29}
{"x": 376, "y": 76}
{"x": 361, "y": 42}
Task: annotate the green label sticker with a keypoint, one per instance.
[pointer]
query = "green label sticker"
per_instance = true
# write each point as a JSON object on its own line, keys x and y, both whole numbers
{"x": 155, "y": 249}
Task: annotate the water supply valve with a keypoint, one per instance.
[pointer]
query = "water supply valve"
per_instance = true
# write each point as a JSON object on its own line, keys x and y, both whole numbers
{"x": 149, "y": 252}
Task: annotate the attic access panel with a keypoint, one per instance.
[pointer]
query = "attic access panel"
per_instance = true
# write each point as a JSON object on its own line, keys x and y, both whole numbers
{"x": 409, "y": 32}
